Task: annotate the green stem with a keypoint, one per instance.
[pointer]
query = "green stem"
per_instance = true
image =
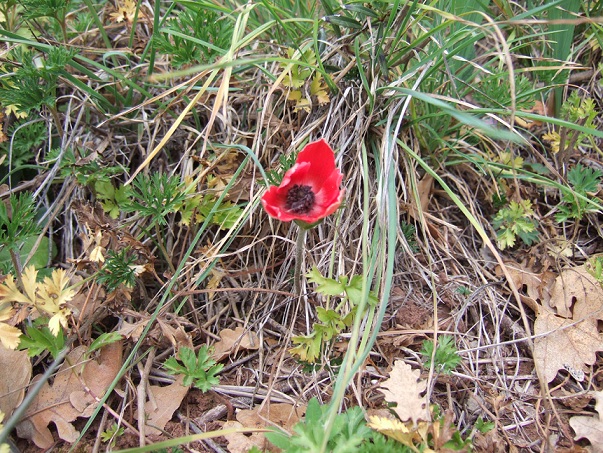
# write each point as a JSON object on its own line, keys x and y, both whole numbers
{"x": 299, "y": 257}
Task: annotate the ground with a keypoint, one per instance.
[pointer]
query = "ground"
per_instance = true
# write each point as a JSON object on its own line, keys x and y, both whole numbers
{"x": 448, "y": 294}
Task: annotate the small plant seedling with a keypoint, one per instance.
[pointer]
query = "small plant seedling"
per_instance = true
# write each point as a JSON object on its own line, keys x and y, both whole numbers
{"x": 156, "y": 196}
{"x": 111, "y": 434}
{"x": 200, "y": 370}
{"x": 38, "y": 338}
{"x": 119, "y": 269}
{"x": 348, "y": 434}
{"x": 331, "y": 321}
{"x": 514, "y": 221}
{"x": 584, "y": 182}
{"x": 483, "y": 426}
{"x": 463, "y": 291}
{"x": 446, "y": 356}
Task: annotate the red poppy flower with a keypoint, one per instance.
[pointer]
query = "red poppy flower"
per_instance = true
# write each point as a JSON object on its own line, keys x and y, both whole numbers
{"x": 309, "y": 190}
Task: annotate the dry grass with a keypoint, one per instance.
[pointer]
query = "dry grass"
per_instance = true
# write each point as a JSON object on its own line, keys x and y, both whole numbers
{"x": 448, "y": 282}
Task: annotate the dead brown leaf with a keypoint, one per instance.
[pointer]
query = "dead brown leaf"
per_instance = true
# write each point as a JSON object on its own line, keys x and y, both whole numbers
{"x": 575, "y": 286}
{"x": 278, "y": 414}
{"x": 404, "y": 388}
{"x": 15, "y": 373}
{"x": 177, "y": 336}
{"x": 232, "y": 341}
{"x": 566, "y": 318}
{"x": 163, "y": 403}
{"x": 67, "y": 399}
{"x": 562, "y": 343}
{"x": 590, "y": 428}
{"x": 132, "y": 330}
{"x": 242, "y": 442}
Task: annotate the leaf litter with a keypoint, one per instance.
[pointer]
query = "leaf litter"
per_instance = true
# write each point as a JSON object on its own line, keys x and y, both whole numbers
{"x": 567, "y": 309}
{"x": 77, "y": 386}
{"x": 498, "y": 372}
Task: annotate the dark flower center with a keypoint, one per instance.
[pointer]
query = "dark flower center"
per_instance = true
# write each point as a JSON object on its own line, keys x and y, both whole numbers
{"x": 300, "y": 199}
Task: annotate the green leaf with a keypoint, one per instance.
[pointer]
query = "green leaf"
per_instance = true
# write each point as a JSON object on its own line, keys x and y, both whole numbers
{"x": 326, "y": 286}
{"x": 354, "y": 291}
{"x": 103, "y": 340}
{"x": 343, "y": 21}
{"x": 38, "y": 339}
{"x": 308, "y": 347}
{"x": 40, "y": 258}
{"x": 200, "y": 370}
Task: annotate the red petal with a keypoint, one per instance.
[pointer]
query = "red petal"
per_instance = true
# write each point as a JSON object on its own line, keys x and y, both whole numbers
{"x": 322, "y": 159}
{"x": 329, "y": 190}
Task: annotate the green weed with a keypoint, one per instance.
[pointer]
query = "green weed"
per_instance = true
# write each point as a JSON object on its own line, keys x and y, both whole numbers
{"x": 446, "y": 357}
{"x": 200, "y": 370}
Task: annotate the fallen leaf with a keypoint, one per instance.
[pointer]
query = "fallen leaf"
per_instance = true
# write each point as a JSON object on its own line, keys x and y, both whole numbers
{"x": 133, "y": 331}
{"x": 537, "y": 284}
{"x": 15, "y": 374}
{"x": 404, "y": 388}
{"x": 163, "y": 403}
{"x": 177, "y": 336}
{"x": 566, "y": 330}
{"x": 576, "y": 286}
{"x": 242, "y": 442}
{"x": 54, "y": 402}
{"x": 232, "y": 341}
{"x": 283, "y": 415}
{"x": 562, "y": 343}
{"x": 394, "y": 429}
{"x": 590, "y": 428}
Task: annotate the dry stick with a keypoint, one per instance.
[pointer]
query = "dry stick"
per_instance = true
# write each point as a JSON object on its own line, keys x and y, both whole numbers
{"x": 194, "y": 428}
{"x": 142, "y": 394}
{"x": 101, "y": 429}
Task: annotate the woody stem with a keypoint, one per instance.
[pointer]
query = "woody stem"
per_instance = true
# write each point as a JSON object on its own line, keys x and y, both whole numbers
{"x": 299, "y": 257}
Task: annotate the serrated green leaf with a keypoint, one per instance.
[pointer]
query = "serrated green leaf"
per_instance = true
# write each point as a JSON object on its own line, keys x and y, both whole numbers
{"x": 326, "y": 286}
{"x": 38, "y": 339}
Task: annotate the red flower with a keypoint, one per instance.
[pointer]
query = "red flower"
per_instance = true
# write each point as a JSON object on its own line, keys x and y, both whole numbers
{"x": 310, "y": 189}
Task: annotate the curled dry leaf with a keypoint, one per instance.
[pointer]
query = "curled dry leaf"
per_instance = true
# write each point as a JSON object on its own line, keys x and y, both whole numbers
{"x": 591, "y": 428}
{"x": 242, "y": 442}
{"x": 15, "y": 373}
{"x": 163, "y": 403}
{"x": 74, "y": 393}
{"x": 279, "y": 414}
{"x": 232, "y": 341}
{"x": 405, "y": 388}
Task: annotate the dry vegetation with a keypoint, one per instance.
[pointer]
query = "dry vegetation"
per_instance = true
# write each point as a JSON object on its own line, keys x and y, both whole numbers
{"x": 471, "y": 151}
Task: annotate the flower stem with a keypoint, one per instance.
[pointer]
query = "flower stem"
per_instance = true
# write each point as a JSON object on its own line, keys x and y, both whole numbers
{"x": 299, "y": 257}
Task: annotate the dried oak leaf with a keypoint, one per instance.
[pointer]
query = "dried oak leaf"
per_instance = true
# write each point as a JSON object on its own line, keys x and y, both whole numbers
{"x": 15, "y": 373}
{"x": 164, "y": 402}
{"x": 562, "y": 343}
{"x": 571, "y": 340}
{"x": 577, "y": 294}
{"x": 67, "y": 398}
{"x": 282, "y": 415}
{"x": 590, "y": 428}
{"x": 232, "y": 341}
{"x": 404, "y": 388}
{"x": 239, "y": 442}
{"x": 537, "y": 284}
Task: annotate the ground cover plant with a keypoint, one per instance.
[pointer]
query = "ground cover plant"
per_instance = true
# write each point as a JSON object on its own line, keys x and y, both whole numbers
{"x": 301, "y": 226}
